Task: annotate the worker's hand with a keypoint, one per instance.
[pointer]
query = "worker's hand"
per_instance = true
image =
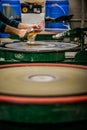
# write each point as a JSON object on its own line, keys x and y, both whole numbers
{"x": 35, "y": 26}
{"x": 22, "y": 33}
{"x": 39, "y": 26}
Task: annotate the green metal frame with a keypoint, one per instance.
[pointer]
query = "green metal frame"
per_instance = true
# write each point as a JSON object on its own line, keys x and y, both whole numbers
{"x": 51, "y": 113}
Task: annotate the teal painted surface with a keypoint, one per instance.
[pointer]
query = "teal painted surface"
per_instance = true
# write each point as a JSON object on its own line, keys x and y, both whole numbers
{"x": 32, "y": 56}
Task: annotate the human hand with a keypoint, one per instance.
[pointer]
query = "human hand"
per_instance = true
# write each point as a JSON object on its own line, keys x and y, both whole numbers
{"x": 39, "y": 26}
{"x": 34, "y": 30}
{"x": 22, "y": 33}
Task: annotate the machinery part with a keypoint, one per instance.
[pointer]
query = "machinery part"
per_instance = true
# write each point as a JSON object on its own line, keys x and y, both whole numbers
{"x": 25, "y": 9}
{"x": 59, "y": 19}
{"x": 43, "y": 93}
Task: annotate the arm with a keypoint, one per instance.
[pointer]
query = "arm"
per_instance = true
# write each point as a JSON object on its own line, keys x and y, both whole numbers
{"x": 19, "y": 32}
{"x": 4, "y": 28}
{"x": 15, "y": 27}
{"x": 17, "y": 24}
{"x": 10, "y": 22}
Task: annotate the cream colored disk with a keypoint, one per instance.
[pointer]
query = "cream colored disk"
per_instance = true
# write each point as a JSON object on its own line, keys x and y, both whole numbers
{"x": 43, "y": 80}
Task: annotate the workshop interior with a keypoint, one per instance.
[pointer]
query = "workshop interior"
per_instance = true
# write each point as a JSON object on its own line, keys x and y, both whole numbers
{"x": 43, "y": 76}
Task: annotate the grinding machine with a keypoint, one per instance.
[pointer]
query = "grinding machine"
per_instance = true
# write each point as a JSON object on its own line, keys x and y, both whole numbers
{"x": 43, "y": 83}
